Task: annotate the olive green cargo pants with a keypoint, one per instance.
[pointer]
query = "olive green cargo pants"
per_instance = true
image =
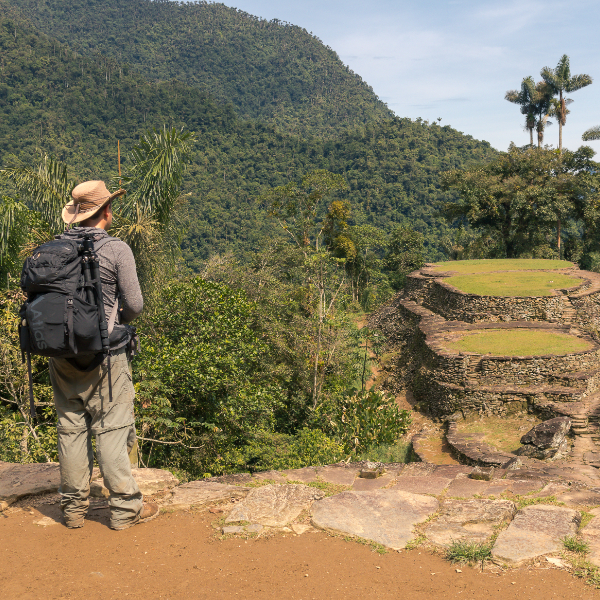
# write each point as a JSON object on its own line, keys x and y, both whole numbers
{"x": 83, "y": 407}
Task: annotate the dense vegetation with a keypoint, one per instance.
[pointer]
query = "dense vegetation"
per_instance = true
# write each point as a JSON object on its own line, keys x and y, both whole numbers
{"x": 531, "y": 202}
{"x": 269, "y": 70}
{"x": 76, "y": 108}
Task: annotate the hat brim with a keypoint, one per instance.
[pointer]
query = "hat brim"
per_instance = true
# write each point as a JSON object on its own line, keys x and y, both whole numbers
{"x": 69, "y": 210}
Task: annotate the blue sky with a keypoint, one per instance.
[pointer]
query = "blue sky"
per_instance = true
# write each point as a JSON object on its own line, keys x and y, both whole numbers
{"x": 455, "y": 59}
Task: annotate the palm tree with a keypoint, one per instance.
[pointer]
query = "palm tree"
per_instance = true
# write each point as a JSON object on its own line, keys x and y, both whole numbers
{"x": 149, "y": 218}
{"x": 525, "y": 98}
{"x": 146, "y": 219}
{"x": 560, "y": 80}
{"x": 535, "y": 101}
{"x": 542, "y": 109}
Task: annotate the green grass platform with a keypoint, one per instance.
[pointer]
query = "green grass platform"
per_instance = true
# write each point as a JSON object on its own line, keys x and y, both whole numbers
{"x": 501, "y": 264}
{"x": 518, "y": 342}
{"x": 512, "y": 283}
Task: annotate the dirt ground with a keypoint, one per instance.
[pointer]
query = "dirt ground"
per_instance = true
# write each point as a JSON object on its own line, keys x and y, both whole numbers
{"x": 179, "y": 556}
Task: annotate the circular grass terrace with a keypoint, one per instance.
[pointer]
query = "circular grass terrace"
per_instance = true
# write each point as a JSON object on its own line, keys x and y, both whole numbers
{"x": 489, "y": 265}
{"x": 518, "y": 342}
{"x": 513, "y": 283}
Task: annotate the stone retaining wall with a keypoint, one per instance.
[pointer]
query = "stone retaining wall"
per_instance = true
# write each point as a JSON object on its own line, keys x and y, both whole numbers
{"x": 442, "y": 399}
{"x": 446, "y": 382}
{"x": 578, "y": 369}
{"x": 579, "y": 304}
{"x": 588, "y": 310}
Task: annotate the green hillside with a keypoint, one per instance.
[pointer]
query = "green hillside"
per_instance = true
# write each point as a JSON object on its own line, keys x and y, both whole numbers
{"x": 75, "y": 107}
{"x": 269, "y": 70}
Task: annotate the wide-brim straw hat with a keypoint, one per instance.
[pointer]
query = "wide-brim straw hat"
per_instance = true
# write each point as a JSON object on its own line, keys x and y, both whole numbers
{"x": 88, "y": 198}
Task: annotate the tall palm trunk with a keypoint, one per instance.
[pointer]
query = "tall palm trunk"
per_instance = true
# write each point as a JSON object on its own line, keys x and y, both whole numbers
{"x": 561, "y": 116}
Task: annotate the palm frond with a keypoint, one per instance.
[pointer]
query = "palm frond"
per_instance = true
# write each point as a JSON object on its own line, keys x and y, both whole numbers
{"x": 591, "y": 134}
{"x": 577, "y": 82}
{"x": 45, "y": 189}
{"x": 155, "y": 177}
{"x": 12, "y": 213}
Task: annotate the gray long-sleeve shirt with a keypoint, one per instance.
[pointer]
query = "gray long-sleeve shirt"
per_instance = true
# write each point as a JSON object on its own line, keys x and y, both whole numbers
{"x": 117, "y": 273}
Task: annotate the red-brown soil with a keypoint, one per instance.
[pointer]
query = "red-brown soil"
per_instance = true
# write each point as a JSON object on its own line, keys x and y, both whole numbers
{"x": 179, "y": 556}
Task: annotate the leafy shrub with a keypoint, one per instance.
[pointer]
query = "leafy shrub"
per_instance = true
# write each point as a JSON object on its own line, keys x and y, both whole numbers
{"x": 264, "y": 451}
{"x": 364, "y": 421}
{"x": 310, "y": 447}
{"x": 400, "y": 452}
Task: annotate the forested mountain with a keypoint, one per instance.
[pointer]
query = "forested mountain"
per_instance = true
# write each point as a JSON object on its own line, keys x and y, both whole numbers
{"x": 269, "y": 70}
{"x": 76, "y": 107}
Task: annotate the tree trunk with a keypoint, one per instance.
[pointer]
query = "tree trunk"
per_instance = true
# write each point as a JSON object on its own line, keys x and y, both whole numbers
{"x": 558, "y": 237}
{"x": 531, "y": 136}
{"x": 560, "y": 120}
{"x": 315, "y": 394}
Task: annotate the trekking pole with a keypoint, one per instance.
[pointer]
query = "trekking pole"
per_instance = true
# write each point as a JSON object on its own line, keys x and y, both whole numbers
{"x": 91, "y": 274}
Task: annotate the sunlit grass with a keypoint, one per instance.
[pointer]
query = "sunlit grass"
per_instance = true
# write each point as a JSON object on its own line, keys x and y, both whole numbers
{"x": 504, "y": 432}
{"x": 501, "y": 264}
{"x": 513, "y": 283}
{"x": 518, "y": 342}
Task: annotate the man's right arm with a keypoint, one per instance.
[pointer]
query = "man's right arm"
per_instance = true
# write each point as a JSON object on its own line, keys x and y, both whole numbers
{"x": 128, "y": 284}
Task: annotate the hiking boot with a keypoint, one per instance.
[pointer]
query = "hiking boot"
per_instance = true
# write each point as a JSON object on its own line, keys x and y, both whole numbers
{"x": 74, "y": 523}
{"x": 149, "y": 511}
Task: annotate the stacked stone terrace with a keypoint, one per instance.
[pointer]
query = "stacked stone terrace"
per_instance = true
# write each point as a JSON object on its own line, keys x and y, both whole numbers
{"x": 431, "y": 313}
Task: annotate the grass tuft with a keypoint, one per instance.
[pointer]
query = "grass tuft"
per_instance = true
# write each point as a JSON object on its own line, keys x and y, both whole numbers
{"x": 465, "y": 552}
{"x": 574, "y": 544}
{"x": 330, "y": 489}
{"x": 585, "y": 570}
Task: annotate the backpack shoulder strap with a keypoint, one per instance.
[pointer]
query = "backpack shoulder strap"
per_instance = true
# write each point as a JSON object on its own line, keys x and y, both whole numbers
{"x": 105, "y": 240}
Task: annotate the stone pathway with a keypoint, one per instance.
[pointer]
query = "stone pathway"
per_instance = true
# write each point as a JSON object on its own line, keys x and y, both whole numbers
{"x": 407, "y": 504}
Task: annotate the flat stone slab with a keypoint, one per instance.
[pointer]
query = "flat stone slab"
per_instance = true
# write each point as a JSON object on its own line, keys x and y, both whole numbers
{"x": 591, "y": 534}
{"x": 422, "y": 485}
{"x": 581, "y": 498}
{"x": 150, "y": 481}
{"x": 472, "y": 520}
{"x": 17, "y": 480}
{"x": 338, "y": 475}
{"x": 467, "y": 488}
{"x": 417, "y": 469}
{"x": 274, "y": 505}
{"x": 368, "y": 485}
{"x": 232, "y": 529}
{"x": 525, "y": 486}
{"x": 200, "y": 493}
{"x": 497, "y": 487}
{"x": 383, "y": 516}
{"x": 451, "y": 471}
{"x": 535, "y": 531}
{"x": 552, "y": 489}
{"x": 305, "y": 475}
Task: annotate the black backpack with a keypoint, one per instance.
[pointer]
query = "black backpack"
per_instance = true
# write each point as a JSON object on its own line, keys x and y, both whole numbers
{"x": 63, "y": 315}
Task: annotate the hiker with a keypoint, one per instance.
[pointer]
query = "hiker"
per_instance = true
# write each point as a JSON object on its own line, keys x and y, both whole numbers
{"x": 82, "y": 398}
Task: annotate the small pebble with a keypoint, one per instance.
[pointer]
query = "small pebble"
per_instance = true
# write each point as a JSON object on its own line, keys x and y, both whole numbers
{"x": 458, "y": 571}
